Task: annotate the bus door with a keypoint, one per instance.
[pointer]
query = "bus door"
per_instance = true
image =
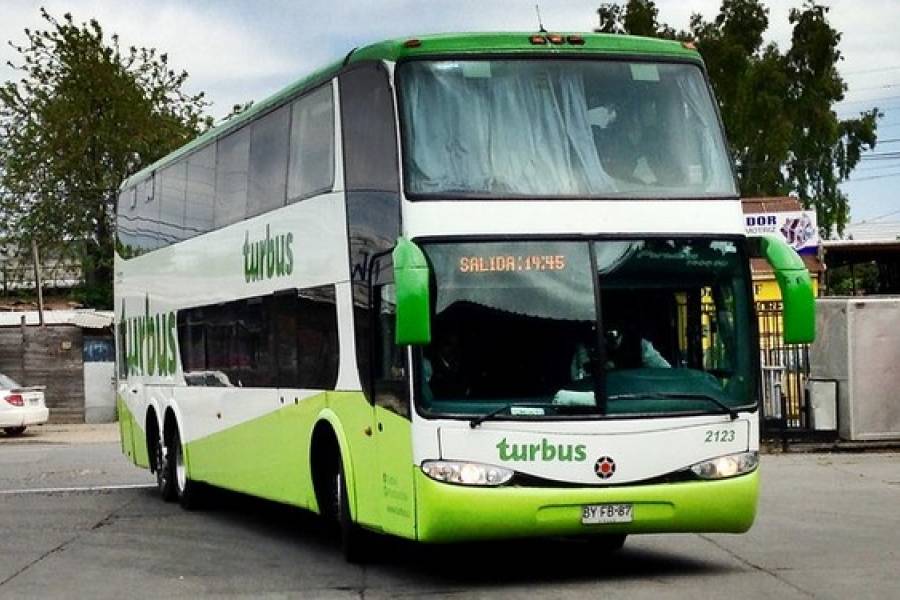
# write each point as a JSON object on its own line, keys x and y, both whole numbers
{"x": 389, "y": 391}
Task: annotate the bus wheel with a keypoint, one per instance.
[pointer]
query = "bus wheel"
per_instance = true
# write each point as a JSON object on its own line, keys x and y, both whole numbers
{"x": 13, "y": 431}
{"x": 354, "y": 540}
{"x": 165, "y": 470}
{"x": 188, "y": 492}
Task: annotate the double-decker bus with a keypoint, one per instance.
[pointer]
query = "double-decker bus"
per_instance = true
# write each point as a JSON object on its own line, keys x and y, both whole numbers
{"x": 456, "y": 287}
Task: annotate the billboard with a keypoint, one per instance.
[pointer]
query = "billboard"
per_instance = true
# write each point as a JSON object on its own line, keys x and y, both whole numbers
{"x": 797, "y": 227}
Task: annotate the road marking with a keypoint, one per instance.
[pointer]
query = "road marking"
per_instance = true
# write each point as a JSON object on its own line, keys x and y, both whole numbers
{"x": 89, "y": 488}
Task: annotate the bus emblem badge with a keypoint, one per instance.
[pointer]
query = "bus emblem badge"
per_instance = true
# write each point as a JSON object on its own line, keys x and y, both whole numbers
{"x": 605, "y": 467}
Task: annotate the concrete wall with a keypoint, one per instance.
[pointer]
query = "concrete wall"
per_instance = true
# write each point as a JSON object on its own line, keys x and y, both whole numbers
{"x": 858, "y": 347}
{"x": 99, "y": 392}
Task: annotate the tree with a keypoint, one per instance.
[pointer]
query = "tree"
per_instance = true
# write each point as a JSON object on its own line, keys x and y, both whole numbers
{"x": 84, "y": 116}
{"x": 237, "y": 109}
{"x": 638, "y": 17}
{"x": 777, "y": 106}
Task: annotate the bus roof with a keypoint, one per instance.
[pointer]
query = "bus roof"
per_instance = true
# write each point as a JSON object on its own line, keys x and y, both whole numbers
{"x": 455, "y": 44}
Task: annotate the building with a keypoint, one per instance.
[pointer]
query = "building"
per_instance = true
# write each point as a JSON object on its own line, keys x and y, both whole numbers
{"x": 784, "y": 367}
{"x": 72, "y": 355}
{"x": 866, "y": 261}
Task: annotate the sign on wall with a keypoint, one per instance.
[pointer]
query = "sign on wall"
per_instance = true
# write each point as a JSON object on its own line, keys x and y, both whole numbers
{"x": 798, "y": 228}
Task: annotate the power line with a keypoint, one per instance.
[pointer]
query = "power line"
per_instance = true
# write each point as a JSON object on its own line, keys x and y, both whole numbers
{"x": 871, "y": 177}
{"x": 884, "y": 86}
{"x": 876, "y": 100}
{"x": 879, "y": 156}
{"x": 879, "y": 167}
{"x": 879, "y": 217}
{"x": 876, "y": 70}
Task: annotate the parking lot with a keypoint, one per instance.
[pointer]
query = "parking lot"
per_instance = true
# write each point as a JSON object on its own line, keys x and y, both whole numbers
{"x": 827, "y": 528}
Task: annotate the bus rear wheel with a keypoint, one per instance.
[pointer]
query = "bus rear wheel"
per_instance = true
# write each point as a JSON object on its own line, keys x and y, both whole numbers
{"x": 165, "y": 469}
{"x": 188, "y": 492}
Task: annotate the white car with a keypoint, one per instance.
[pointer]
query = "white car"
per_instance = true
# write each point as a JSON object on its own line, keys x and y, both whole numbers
{"x": 20, "y": 406}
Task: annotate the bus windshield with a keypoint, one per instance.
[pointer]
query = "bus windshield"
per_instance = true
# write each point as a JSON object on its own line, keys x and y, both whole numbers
{"x": 560, "y": 128}
{"x": 562, "y": 328}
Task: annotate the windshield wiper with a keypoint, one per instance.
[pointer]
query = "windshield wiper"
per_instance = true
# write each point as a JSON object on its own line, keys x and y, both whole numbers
{"x": 482, "y": 418}
{"x": 732, "y": 412}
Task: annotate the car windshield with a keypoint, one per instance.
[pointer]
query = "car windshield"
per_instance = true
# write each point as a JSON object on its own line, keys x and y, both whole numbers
{"x": 6, "y": 383}
{"x": 554, "y": 328}
{"x": 560, "y": 128}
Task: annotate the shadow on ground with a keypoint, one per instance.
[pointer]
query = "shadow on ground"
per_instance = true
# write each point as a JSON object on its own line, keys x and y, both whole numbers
{"x": 483, "y": 564}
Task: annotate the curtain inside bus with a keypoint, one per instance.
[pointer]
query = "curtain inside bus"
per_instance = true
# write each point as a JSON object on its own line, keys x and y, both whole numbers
{"x": 560, "y": 128}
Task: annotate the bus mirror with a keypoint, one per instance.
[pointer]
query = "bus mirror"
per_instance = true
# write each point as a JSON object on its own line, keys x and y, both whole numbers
{"x": 412, "y": 281}
{"x": 798, "y": 300}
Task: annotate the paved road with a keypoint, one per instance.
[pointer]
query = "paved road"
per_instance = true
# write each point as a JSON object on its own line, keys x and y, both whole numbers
{"x": 828, "y": 527}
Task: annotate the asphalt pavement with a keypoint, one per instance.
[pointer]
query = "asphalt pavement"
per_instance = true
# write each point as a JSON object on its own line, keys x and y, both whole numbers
{"x": 78, "y": 520}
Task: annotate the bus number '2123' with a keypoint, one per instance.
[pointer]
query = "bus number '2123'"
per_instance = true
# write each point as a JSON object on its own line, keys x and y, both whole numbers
{"x": 723, "y": 435}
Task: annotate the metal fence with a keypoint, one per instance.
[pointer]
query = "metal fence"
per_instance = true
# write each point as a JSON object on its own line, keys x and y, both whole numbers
{"x": 785, "y": 370}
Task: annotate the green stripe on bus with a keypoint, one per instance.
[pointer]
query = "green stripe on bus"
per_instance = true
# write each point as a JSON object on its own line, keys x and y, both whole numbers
{"x": 451, "y": 513}
{"x": 133, "y": 437}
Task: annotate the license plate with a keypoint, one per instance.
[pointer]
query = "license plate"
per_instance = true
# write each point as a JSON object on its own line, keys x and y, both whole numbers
{"x": 33, "y": 401}
{"x": 593, "y": 514}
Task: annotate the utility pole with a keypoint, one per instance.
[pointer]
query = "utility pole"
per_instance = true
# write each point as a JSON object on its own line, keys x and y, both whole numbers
{"x": 37, "y": 282}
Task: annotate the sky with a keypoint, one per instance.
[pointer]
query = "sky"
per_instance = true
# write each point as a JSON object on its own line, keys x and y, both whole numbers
{"x": 238, "y": 50}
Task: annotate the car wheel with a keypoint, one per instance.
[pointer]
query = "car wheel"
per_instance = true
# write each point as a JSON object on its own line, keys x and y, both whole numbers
{"x": 355, "y": 541}
{"x": 165, "y": 470}
{"x": 188, "y": 492}
{"x": 13, "y": 431}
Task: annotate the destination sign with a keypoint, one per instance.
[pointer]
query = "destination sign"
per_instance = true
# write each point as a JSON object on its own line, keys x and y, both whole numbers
{"x": 511, "y": 263}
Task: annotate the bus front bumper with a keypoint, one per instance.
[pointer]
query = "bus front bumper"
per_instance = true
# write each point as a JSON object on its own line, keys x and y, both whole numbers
{"x": 451, "y": 513}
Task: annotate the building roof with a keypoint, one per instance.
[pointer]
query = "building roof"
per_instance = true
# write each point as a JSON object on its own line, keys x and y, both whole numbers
{"x": 760, "y": 266}
{"x": 86, "y": 319}
{"x": 455, "y": 44}
{"x": 876, "y": 230}
{"x": 769, "y": 204}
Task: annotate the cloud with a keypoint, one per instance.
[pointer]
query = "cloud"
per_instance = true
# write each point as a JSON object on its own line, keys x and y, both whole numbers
{"x": 221, "y": 55}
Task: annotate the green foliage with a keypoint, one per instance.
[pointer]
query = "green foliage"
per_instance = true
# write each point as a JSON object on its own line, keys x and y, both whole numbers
{"x": 777, "y": 106}
{"x": 237, "y": 109}
{"x": 84, "y": 115}
{"x": 638, "y": 17}
{"x": 861, "y": 279}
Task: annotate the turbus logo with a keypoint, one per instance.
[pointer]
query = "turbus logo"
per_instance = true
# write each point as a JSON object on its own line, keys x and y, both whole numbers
{"x": 269, "y": 257}
{"x": 545, "y": 451}
{"x": 605, "y": 467}
{"x": 149, "y": 342}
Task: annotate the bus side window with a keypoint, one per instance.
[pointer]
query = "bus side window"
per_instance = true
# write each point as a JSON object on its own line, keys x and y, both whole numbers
{"x": 389, "y": 364}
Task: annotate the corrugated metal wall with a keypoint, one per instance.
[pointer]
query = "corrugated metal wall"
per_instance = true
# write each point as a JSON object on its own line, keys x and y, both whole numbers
{"x": 49, "y": 356}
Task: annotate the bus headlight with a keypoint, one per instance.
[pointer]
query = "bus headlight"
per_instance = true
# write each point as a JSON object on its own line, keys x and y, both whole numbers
{"x": 727, "y": 466}
{"x": 466, "y": 473}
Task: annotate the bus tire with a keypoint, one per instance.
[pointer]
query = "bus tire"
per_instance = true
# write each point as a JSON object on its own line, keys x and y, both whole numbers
{"x": 14, "y": 431}
{"x": 165, "y": 469}
{"x": 188, "y": 492}
{"x": 354, "y": 539}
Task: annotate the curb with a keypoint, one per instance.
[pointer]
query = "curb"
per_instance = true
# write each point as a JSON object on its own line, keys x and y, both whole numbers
{"x": 838, "y": 447}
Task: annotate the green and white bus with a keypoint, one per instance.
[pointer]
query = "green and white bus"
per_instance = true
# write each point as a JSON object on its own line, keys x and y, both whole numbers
{"x": 452, "y": 288}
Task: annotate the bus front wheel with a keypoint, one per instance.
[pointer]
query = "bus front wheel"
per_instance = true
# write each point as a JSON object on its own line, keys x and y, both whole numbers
{"x": 354, "y": 539}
